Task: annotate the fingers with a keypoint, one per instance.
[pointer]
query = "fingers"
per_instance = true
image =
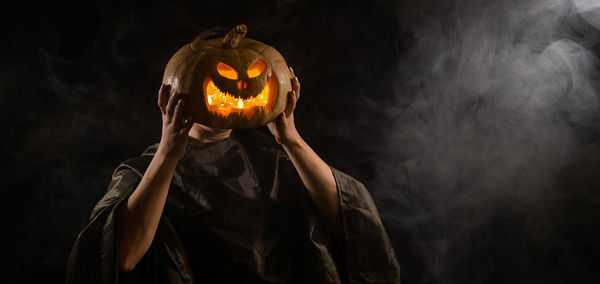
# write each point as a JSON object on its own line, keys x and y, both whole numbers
{"x": 163, "y": 97}
{"x": 178, "y": 114}
{"x": 188, "y": 124}
{"x": 294, "y": 95}
{"x": 280, "y": 120}
{"x": 295, "y": 83}
{"x": 291, "y": 103}
{"x": 175, "y": 115}
{"x": 171, "y": 106}
{"x": 296, "y": 87}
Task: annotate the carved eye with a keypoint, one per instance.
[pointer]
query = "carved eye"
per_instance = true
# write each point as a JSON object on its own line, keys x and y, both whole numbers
{"x": 227, "y": 71}
{"x": 257, "y": 68}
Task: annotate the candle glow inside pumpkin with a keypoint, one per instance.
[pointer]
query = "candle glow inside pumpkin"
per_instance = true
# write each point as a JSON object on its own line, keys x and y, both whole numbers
{"x": 231, "y": 82}
{"x": 223, "y": 103}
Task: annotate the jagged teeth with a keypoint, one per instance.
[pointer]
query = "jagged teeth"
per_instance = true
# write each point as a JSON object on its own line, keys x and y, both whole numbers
{"x": 224, "y": 104}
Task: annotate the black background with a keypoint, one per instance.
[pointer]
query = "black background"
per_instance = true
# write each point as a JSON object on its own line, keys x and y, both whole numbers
{"x": 78, "y": 96}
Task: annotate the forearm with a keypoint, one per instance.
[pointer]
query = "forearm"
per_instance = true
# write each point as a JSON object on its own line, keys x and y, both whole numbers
{"x": 318, "y": 180}
{"x": 140, "y": 214}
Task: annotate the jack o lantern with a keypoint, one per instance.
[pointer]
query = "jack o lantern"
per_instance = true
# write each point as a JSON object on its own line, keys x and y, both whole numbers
{"x": 230, "y": 82}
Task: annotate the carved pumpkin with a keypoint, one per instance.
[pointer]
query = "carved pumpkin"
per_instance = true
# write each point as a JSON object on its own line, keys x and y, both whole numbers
{"x": 230, "y": 82}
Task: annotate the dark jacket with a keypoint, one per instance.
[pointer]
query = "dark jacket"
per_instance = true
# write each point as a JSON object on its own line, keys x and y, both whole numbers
{"x": 238, "y": 214}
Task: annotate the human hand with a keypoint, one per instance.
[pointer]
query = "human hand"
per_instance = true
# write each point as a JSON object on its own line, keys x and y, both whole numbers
{"x": 283, "y": 127}
{"x": 175, "y": 128}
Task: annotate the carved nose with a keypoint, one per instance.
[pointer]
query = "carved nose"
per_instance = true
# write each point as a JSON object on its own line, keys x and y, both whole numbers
{"x": 242, "y": 85}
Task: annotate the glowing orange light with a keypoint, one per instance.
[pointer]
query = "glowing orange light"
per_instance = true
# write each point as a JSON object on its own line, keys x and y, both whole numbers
{"x": 257, "y": 68}
{"x": 227, "y": 71}
{"x": 224, "y": 103}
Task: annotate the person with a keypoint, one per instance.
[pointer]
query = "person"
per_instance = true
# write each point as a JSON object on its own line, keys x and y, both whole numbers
{"x": 207, "y": 205}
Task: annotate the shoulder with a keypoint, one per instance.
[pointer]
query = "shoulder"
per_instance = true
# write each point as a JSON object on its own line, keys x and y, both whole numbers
{"x": 124, "y": 179}
{"x": 138, "y": 164}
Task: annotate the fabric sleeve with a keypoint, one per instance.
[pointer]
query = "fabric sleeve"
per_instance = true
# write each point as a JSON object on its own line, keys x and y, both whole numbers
{"x": 368, "y": 251}
{"x": 93, "y": 257}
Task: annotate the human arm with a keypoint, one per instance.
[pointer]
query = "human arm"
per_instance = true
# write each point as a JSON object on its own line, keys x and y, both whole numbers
{"x": 314, "y": 172}
{"x": 343, "y": 202}
{"x": 140, "y": 214}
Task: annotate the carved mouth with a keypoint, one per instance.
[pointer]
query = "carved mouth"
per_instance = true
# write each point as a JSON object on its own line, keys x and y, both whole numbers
{"x": 224, "y": 104}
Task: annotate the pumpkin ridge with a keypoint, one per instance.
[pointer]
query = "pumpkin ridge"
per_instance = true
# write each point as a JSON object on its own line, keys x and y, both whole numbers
{"x": 265, "y": 49}
{"x": 189, "y": 68}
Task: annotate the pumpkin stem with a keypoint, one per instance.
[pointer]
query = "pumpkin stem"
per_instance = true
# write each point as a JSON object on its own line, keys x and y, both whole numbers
{"x": 233, "y": 37}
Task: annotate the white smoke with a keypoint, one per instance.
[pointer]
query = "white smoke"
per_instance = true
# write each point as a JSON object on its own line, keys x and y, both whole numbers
{"x": 494, "y": 90}
{"x": 589, "y": 11}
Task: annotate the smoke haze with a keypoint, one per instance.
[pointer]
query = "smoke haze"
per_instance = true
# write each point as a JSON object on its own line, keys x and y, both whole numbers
{"x": 493, "y": 101}
{"x": 475, "y": 124}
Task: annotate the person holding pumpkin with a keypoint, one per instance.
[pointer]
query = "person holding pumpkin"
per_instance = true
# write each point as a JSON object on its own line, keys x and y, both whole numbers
{"x": 210, "y": 205}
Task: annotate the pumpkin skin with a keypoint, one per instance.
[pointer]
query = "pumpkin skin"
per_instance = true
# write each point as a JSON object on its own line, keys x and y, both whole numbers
{"x": 230, "y": 82}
